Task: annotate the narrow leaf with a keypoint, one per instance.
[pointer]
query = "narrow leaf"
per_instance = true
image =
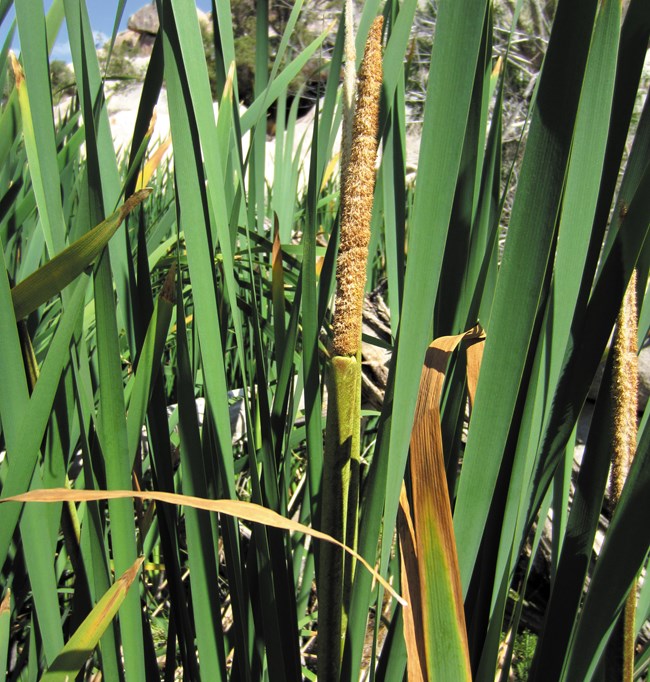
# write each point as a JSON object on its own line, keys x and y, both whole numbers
{"x": 57, "y": 273}
{"x": 445, "y": 636}
{"x": 81, "y": 645}
{"x": 410, "y": 581}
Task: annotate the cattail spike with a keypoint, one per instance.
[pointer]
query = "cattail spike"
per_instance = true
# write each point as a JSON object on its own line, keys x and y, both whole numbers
{"x": 356, "y": 203}
{"x": 620, "y": 649}
{"x": 624, "y": 391}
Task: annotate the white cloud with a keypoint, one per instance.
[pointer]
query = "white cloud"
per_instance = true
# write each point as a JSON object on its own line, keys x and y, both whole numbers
{"x": 100, "y": 39}
{"x": 62, "y": 51}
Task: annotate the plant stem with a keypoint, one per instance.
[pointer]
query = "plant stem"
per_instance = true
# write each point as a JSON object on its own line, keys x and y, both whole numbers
{"x": 340, "y": 485}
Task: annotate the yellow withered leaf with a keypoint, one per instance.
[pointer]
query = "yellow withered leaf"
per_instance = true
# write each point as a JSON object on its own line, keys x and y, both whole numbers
{"x": 247, "y": 511}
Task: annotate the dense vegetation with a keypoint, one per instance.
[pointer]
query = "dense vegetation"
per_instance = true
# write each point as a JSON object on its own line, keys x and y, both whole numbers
{"x": 176, "y": 341}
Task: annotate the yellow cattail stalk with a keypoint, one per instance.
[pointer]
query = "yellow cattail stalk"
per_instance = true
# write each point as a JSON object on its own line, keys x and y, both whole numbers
{"x": 340, "y": 481}
{"x": 620, "y": 657}
{"x": 356, "y": 202}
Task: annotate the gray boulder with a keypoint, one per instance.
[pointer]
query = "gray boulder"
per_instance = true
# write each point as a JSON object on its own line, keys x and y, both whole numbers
{"x": 145, "y": 20}
{"x": 127, "y": 39}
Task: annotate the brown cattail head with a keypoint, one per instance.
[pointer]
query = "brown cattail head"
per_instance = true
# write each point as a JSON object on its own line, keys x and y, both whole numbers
{"x": 624, "y": 391}
{"x": 356, "y": 201}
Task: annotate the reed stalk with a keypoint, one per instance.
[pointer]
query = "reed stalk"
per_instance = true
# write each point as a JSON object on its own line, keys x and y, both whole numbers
{"x": 340, "y": 485}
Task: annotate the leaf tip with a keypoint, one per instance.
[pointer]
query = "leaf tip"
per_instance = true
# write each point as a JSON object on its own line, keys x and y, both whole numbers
{"x": 5, "y": 604}
{"x": 19, "y": 74}
{"x": 135, "y": 199}
{"x": 168, "y": 291}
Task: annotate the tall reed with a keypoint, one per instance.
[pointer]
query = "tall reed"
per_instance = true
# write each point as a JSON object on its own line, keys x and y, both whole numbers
{"x": 340, "y": 485}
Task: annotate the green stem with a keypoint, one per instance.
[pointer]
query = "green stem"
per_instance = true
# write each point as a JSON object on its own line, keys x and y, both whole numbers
{"x": 340, "y": 491}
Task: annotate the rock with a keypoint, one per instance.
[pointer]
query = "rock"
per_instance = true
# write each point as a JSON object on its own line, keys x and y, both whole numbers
{"x": 143, "y": 27}
{"x": 134, "y": 43}
{"x": 145, "y": 44}
{"x": 127, "y": 39}
{"x": 145, "y": 20}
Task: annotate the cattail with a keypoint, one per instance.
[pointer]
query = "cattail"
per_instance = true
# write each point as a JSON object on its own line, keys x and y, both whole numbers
{"x": 356, "y": 202}
{"x": 624, "y": 392}
{"x": 620, "y": 654}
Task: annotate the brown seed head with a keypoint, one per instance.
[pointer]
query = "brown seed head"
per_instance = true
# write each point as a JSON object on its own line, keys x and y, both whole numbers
{"x": 624, "y": 391}
{"x": 356, "y": 202}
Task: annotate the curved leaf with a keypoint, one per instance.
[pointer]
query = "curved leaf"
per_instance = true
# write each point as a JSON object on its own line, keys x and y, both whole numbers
{"x": 57, "y": 273}
{"x": 247, "y": 511}
{"x": 81, "y": 645}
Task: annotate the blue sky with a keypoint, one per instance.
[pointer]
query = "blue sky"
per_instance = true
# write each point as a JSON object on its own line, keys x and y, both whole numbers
{"x": 102, "y": 18}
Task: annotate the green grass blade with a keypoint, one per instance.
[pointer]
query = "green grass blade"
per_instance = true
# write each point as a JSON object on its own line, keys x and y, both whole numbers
{"x": 585, "y": 351}
{"x": 92, "y": 541}
{"x": 149, "y": 362}
{"x": 257, "y": 165}
{"x": 36, "y": 108}
{"x": 398, "y": 39}
{"x": 574, "y": 232}
{"x": 224, "y": 43}
{"x": 635, "y": 33}
{"x": 201, "y": 106}
{"x": 116, "y": 24}
{"x": 63, "y": 268}
{"x": 451, "y": 309}
{"x": 258, "y": 108}
{"x": 518, "y": 289}
{"x": 201, "y": 551}
{"x": 114, "y": 444}
{"x": 310, "y": 356}
{"x": 23, "y": 418}
{"x": 80, "y": 646}
{"x": 189, "y": 178}
{"x": 568, "y": 586}
{"x": 622, "y": 555}
{"x": 99, "y": 143}
{"x": 39, "y": 408}
{"x": 36, "y": 543}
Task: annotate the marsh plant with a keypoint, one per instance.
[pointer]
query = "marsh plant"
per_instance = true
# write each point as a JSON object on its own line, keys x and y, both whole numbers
{"x": 145, "y": 305}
